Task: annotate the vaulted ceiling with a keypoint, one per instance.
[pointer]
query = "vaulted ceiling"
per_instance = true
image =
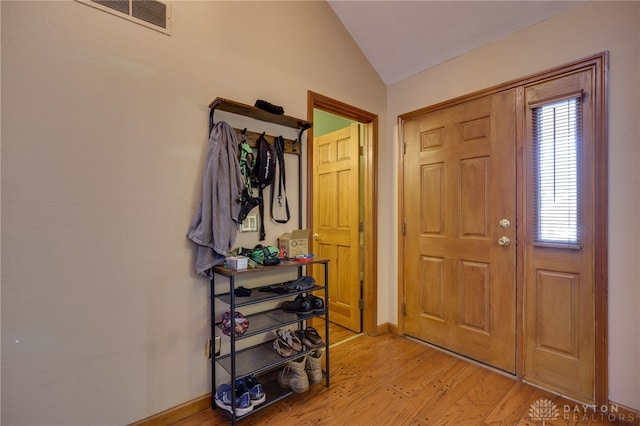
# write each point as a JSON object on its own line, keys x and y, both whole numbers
{"x": 402, "y": 38}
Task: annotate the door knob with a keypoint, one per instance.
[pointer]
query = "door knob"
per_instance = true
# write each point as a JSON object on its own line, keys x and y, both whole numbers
{"x": 316, "y": 237}
{"x": 504, "y": 241}
{"x": 504, "y": 223}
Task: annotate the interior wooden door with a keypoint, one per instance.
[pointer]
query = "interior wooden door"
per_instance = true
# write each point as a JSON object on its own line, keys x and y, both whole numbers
{"x": 336, "y": 220}
{"x": 459, "y": 229}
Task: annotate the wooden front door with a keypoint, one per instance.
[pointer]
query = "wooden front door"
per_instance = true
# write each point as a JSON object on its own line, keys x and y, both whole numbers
{"x": 336, "y": 220}
{"x": 459, "y": 228}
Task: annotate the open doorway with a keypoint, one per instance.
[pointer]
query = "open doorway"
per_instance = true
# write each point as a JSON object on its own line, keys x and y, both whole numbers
{"x": 329, "y": 113}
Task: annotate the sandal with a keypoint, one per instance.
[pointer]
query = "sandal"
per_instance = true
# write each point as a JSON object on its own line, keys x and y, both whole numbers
{"x": 305, "y": 341}
{"x": 282, "y": 348}
{"x": 312, "y": 334}
{"x": 290, "y": 339}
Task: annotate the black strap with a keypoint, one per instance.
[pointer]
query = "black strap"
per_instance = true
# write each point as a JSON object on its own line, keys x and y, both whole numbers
{"x": 279, "y": 144}
{"x": 261, "y": 210}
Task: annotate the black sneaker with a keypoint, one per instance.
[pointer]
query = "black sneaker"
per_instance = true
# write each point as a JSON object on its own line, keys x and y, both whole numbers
{"x": 300, "y": 305}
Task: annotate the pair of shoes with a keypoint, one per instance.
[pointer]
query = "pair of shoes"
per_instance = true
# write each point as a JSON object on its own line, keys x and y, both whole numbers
{"x": 287, "y": 343}
{"x": 309, "y": 337}
{"x": 248, "y": 394}
{"x": 305, "y": 282}
{"x": 301, "y": 372}
{"x": 290, "y": 339}
{"x": 304, "y": 305}
{"x": 294, "y": 376}
{"x": 225, "y": 394}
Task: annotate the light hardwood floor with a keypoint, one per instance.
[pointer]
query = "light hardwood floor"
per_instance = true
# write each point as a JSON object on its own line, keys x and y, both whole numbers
{"x": 392, "y": 380}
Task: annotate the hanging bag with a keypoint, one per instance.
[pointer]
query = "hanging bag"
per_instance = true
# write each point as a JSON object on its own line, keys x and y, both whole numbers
{"x": 264, "y": 173}
{"x": 282, "y": 189}
{"x": 247, "y": 164}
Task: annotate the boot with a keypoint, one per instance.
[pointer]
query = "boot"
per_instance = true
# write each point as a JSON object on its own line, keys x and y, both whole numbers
{"x": 314, "y": 370}
{"x": 294, "y": 376}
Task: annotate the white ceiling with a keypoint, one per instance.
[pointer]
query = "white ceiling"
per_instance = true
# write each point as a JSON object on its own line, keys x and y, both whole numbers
{"x": 402, "y": 38}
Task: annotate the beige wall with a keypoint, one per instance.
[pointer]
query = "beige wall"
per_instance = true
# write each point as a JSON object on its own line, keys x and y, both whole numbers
{"x": 582, "y": 31}
{"x": 103, "y": 139}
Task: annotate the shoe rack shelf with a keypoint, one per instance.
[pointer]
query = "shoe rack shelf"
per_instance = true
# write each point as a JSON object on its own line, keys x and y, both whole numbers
{"x": 261, "y": 359}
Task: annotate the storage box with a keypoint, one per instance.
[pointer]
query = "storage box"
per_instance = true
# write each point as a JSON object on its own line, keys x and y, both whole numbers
{"x": 295, "y": 242}
{"x": 237, "y": 262}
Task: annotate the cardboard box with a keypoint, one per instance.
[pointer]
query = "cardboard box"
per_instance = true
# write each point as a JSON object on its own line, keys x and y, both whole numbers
{"x": 237, "y": 262}
{"x": 295, "y": 242}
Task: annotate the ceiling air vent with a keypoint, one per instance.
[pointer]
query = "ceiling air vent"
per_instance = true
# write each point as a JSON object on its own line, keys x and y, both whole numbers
{"x": 150, "y": 13}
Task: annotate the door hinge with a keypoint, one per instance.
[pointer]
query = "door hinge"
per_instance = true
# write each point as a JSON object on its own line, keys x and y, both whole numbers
{"x": 404, "y": 309}
{"x": 361, "y": 304}
{"x": 404, "y": 148}
{"x": 404, "y": 228}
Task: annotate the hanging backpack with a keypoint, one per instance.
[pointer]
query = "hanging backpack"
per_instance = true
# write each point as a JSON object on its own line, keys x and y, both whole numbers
{"x": 265, "y": 166}
{"x": 247, "y": 164}
{"x": 263, "y": 174}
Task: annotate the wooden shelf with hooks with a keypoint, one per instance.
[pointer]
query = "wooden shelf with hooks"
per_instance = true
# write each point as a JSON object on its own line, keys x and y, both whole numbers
{"x": 290, "y": 146}
{"x": 234, "y": 107}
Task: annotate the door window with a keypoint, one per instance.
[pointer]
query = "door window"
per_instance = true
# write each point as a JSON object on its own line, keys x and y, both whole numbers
{"x": 556, "y": 152}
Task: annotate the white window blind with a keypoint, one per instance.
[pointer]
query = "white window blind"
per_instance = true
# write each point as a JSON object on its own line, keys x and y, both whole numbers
{"x": 556, "y": 153}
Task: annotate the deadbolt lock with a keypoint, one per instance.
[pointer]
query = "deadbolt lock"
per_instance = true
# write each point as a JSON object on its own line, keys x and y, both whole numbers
{"x": 504, "y": 223}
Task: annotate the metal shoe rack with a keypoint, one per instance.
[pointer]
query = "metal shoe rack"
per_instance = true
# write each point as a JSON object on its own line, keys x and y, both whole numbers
{"x": 261, "y": 359}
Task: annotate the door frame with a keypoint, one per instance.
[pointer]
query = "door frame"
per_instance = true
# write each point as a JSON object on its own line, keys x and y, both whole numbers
{"x": 370, "y": 194}
{"x": 600, "y": 64}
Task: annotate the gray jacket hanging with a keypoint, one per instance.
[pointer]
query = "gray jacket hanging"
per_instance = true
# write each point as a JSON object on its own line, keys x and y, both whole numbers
{"x": 215, "y": 223}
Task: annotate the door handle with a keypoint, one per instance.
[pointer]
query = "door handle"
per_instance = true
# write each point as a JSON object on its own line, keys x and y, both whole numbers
{"x": 316, "y": 237}
{"x": 504, "y": 241}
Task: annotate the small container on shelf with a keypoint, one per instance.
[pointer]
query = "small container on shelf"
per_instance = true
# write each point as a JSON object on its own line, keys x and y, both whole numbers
{"x": 237, "y": 263}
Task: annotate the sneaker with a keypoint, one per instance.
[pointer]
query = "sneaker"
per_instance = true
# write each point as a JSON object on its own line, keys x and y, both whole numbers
{"x": 256, "y": 392}
{"x": 243, "y": 400}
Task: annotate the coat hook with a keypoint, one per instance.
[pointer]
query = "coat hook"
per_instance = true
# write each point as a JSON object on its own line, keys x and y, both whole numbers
{"x": 211, "y": 119}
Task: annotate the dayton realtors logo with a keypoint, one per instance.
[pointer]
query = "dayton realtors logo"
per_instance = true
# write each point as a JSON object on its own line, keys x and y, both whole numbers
{"x": 545, "y": 410}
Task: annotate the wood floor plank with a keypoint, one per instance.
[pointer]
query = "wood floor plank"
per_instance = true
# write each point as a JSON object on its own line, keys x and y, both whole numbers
{"x": 392, "y": 380}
